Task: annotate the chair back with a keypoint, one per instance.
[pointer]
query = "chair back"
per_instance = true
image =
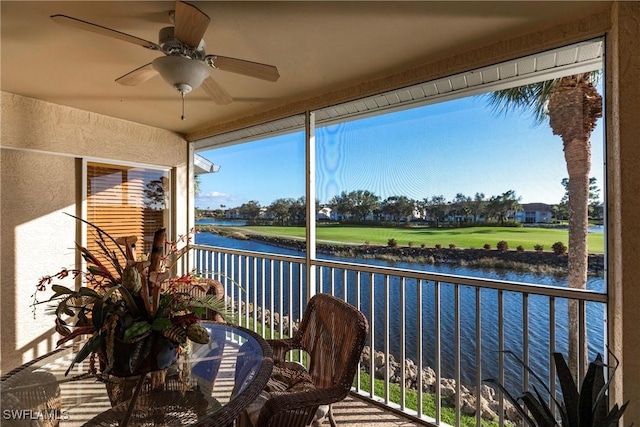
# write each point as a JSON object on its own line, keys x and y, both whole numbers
{"x": 333, "y": 332}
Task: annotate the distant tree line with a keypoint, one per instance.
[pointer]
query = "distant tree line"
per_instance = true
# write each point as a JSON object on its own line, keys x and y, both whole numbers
{"x": 361, "y": 204}
{"x": 364, "y": 205}
{"x": 283, "y": 211}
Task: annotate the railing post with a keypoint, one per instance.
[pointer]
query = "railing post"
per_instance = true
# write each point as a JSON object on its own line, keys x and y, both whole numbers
{"x": 310, "y": 157}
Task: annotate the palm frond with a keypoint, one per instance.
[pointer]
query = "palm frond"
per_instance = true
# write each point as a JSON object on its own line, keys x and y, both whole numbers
{"x": 212, "y": 302}
{"x": 532, "y": 98}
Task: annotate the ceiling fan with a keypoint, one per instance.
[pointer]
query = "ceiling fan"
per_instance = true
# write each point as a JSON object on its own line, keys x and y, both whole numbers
{"x": 185, "y": 64}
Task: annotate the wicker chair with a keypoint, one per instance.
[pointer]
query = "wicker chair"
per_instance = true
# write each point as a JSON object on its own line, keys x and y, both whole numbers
{"x": 214, "y": 287}
{"x": 25, "y": 389}
{"x": 333, "y": 334}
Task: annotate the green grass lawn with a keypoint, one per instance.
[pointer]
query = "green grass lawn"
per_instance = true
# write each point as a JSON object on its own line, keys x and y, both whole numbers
{"x": 471, "y": 237}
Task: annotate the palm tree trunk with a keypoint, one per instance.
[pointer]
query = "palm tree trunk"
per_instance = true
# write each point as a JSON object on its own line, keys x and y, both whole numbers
{"x": 578, "y": 249}
{"x": 574, "y": 107}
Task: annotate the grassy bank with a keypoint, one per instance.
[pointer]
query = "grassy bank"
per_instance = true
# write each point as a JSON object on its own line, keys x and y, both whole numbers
{"x": 447, "y": 414}
{"x": 471, "y": 237}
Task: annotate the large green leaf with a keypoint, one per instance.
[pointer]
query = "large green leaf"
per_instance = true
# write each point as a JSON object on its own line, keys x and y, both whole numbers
{"x": 88, "y": 292}
{"x": 548, "y": 412}
{"x": 126, "y": 295}
{"x": 587, "y": 396}
{"x": 161, "y": 323}
{"x": 98, "y": 314}
{"x": 92, "y": 345}
{"x": 570, "y": 394}
{"x": 514, "y": 401}
{"x": 539, "y": 410}
{"x": 60, "y": 290}
{"x": 614, "y": 416}
{"x": 135, "y": 330}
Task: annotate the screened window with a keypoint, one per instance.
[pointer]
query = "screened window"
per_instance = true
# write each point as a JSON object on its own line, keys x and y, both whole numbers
{"x": 127, "y": 201}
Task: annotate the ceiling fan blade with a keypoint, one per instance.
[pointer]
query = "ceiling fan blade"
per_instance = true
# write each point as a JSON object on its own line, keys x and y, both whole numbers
{"x": 99, "y": 29}
{"x": 216, "y": 92}
{"x": 240, "y": 66}
{"x": 137, "y": 76}
{"x": 190, "y": 24}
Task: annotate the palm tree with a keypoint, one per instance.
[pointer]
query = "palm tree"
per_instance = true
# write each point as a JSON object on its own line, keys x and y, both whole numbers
{"x": 573, "y": 106}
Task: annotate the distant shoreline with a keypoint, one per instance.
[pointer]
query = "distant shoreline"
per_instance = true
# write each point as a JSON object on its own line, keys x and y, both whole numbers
{"x": 513, "y": 260}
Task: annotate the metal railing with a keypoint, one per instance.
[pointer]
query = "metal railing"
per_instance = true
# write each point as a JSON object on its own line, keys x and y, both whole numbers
{"x": 426, "y": 329}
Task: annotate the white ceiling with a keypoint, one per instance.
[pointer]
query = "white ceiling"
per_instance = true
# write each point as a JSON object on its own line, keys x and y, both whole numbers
{"x": 317, "y": 46}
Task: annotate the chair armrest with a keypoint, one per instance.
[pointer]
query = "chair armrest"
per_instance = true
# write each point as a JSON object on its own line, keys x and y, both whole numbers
{"x": 282, "y": 346}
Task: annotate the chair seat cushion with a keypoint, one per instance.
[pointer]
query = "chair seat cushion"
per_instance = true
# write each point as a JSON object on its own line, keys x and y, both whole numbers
{"x": 289, "y": 377}
{"x": 286, "y": 377}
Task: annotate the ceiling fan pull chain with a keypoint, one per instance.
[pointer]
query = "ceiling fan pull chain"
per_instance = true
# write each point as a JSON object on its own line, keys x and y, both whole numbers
{"x": 182, "y": 117}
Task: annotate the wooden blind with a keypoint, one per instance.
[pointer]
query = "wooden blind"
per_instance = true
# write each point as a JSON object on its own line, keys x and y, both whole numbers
{"x": 125, "y": 201}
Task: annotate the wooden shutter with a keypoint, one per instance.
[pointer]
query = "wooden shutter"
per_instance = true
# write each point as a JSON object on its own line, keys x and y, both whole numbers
{"x": 119, "y": 202}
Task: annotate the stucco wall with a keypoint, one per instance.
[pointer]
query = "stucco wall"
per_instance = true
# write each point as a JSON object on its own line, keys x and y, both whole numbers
{"x": 41, "y": 145}
{"x": 623, "y": 199}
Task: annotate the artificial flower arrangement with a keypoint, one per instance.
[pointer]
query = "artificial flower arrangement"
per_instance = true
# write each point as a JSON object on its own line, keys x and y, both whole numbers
{"x": 137, "y": 315}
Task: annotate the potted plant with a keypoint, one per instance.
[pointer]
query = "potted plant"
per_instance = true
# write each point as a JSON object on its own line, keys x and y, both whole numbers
{"x": 587, "y": 406}
{"x": 136, "y": 314}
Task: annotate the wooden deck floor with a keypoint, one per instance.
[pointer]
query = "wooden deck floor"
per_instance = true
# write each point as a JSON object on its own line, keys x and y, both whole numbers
{"x": 352, "y": 412}
{"x": 355, "y": 412}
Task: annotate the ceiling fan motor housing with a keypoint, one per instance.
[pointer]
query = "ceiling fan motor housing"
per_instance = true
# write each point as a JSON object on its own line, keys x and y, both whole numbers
{"x": 171, "y": 45}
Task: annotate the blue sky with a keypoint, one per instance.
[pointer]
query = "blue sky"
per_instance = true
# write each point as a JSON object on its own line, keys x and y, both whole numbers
{"x": 458, "y": 146}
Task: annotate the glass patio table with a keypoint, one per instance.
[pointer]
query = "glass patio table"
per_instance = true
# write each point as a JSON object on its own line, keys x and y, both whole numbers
{"x": 210, "y": 384}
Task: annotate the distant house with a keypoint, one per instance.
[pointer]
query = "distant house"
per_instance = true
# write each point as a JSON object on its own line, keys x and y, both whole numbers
{"x": 232, "y": 214}
{"x": 534, "y": 213}
{"x": 324, "y": 213}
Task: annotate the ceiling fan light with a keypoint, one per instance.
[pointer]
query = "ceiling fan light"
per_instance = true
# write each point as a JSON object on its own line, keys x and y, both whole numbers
{"x": 182, "y": 73}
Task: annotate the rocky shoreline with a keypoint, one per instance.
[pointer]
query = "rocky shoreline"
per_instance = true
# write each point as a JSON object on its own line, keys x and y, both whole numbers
{"x": 530, "y": 261}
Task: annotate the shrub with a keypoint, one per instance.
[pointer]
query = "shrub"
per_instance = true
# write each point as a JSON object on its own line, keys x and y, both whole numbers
{"x": 392, "y": 243}
{"x": 410, "y": 244}
{"x": 538, "y": 248}
{"x": 583, "y": 404}
{"x": 438, "y": 246}
{"x": 502, "y": 245}
{"x": 452, "y": 245}
{"x": 559, "y": 248}
{"x": 520, "y": 248}
{"x": 423, "y": 246}
{"x": 487, "y": 246}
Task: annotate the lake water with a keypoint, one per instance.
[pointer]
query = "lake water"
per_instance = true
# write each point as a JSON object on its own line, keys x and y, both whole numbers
{"x": 538, "y": 311}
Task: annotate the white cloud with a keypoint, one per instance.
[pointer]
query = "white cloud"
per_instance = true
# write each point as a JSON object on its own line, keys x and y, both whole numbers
{"x": 214, "y": 199}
